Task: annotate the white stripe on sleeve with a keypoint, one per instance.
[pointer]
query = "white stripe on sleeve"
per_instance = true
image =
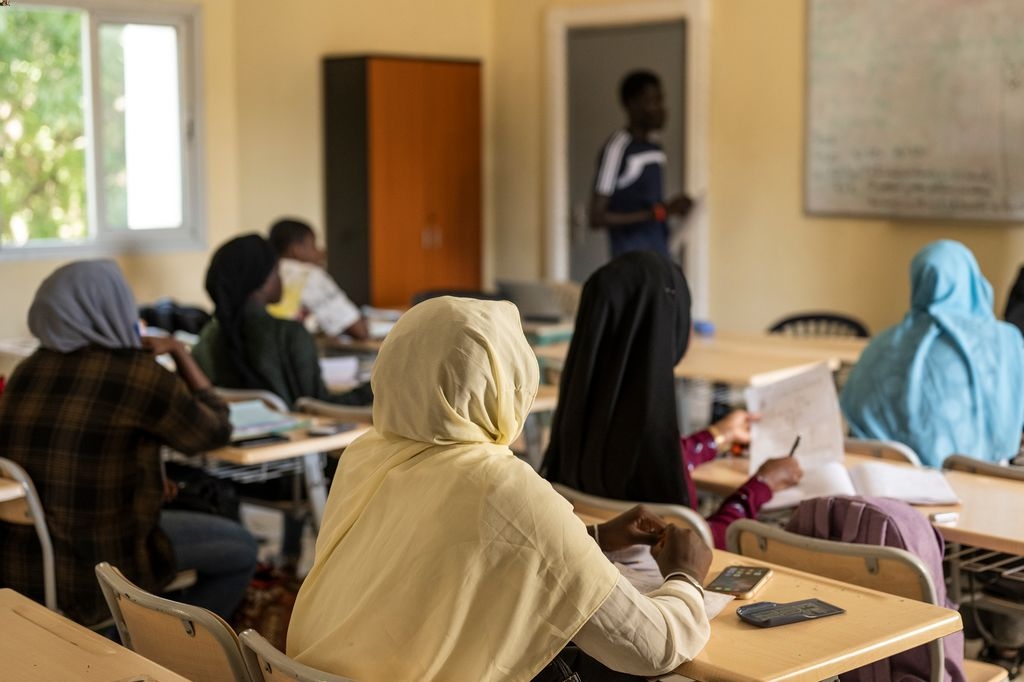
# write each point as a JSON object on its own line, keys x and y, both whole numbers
{"x": 608, "y": 171}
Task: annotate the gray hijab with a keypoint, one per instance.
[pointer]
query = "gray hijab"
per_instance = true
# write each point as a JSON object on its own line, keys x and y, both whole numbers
{"x": 84, "y": 303}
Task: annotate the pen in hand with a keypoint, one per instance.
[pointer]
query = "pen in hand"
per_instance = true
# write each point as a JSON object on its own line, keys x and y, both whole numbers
{"x": 796, "y": 442}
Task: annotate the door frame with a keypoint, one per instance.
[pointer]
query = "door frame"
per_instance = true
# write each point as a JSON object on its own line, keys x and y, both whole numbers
{"x": 559, "y": 21}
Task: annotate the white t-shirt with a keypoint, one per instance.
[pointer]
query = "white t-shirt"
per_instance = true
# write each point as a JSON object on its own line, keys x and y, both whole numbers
{"x": 311, "y": 295}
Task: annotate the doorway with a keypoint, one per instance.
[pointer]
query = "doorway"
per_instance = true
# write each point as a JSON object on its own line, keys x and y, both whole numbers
{"x": 663, "y": 36}
{"x": 598, "y": 59}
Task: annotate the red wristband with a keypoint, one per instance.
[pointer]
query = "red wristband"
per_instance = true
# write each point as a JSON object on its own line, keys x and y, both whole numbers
{"x": 659, "y": 211}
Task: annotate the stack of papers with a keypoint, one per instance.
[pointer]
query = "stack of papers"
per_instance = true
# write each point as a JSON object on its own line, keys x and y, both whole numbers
{"x": 252, "y": 418}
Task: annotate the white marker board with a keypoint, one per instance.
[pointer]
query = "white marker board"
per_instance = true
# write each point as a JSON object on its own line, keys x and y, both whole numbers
{"x": 915, "y": 109}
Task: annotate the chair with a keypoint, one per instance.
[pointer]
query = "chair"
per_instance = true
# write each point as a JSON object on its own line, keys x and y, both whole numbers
{"x": 232, "y": 395}
{"x": 187, "y": 639}
{"x": 886, "y": 569}
{"x": 346, "y": 413}
{"x": 977, "y": 466}
{"x": 605, "y": 508}
{"x": 820, "y": 324}
{"x": 267, "y": 664}
{"x": 882, "y": 449}
{"x": 28, "y": 510}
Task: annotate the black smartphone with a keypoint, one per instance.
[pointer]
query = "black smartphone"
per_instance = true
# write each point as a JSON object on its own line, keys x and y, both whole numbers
{"x": 768, "y": 614}
{"x": 741, "y": 582}
{"x": 259, "y": 441}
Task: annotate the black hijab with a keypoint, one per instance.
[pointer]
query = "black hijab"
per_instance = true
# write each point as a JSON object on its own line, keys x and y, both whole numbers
{"x": 615, "y": 432}
{"x": 237, "y": 269}
{"x": 1015, "y": 303}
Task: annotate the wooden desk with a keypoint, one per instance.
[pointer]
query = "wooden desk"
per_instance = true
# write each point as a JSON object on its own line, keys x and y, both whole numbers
{"x": 989, "y": 510}
{"x": 38, "y": 644}
{"x": 299, "y": 445}
{"x": 10, "y": 490}
{"x": 875, "y": 626}
{"x": 845, "y": 349}
{"x": 734, "y": 364}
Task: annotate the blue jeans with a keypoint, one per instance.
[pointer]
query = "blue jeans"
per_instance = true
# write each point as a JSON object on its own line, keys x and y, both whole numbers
{"x": 221, "y": 551}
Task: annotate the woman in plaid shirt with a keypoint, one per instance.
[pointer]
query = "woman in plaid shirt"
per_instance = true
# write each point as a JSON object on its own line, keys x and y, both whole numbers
{"x": 86, "y": 416}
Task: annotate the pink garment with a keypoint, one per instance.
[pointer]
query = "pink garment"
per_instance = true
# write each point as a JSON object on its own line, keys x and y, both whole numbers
{"x": 742, "y": 504}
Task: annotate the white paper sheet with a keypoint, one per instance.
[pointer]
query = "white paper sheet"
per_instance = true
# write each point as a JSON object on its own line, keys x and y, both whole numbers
{"x": 802, "y": 405}
{"x": 641, "y": 570}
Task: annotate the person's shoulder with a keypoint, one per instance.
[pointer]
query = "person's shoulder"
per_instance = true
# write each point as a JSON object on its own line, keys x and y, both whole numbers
{"x": 618, "y": 137}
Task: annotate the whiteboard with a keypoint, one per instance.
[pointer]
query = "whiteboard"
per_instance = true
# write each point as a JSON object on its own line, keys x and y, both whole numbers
{"x": 915, "y": 108}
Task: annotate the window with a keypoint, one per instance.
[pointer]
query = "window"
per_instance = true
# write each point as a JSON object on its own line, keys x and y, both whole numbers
{"x": 99, "y": 138}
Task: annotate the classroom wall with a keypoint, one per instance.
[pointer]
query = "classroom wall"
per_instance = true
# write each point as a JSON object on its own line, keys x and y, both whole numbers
{"x": 179, "y": 274}
{"x": 767, "y": 257}
{"x": 279, "y": 55}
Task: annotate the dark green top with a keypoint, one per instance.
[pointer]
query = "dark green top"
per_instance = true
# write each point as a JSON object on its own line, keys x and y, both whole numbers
{"x": 281, "y": 352}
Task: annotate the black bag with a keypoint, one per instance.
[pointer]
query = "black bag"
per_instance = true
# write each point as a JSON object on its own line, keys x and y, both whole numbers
{"x": 200, "y": 492}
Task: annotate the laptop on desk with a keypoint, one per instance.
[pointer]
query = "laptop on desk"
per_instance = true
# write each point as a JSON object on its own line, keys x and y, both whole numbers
{"x": 537, "y": 301}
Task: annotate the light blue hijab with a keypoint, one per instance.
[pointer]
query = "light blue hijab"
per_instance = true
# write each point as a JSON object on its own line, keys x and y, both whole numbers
{"x": 949, "y": 378}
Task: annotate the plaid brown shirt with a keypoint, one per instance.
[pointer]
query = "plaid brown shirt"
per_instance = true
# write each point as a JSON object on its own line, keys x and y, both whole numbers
{"x": 88, "y": 426}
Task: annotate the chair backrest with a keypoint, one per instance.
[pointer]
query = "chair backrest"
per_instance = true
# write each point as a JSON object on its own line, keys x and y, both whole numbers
{"x": 28, "y": 510}
{"x": 272, "y": 400}
{"x": 977, "y": 466}
{"x": 605, "y": 508}
{"x": 267, "y": 664}
{"x": 820, "y": 324}
{"x": 882, "y": 449}
{"x": 187, "y": 639}
{"x": 345, "y": 413}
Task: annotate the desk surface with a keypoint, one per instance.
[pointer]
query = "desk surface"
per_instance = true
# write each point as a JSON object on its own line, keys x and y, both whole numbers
{"x": 38, "y": 644}
{"x": 728, "y": 363}
{"x": 10, "y": 490}
{"x": 989, "y": 510}
{"x": 875, "y": 626}
{"x": 299, "y": 444}
{"x": 845, "y": 349}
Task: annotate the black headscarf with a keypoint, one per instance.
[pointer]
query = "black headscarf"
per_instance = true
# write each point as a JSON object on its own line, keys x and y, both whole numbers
{"x": 615, "y": 432}
{"x": 237, "y": 269}
{"x": 1015, "y": 303}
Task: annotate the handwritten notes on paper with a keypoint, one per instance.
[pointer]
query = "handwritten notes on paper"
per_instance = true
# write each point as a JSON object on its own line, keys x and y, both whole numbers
{"x": 915, "y": 108}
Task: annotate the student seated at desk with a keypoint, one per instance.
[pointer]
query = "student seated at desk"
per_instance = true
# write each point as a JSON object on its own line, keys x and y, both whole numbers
{"x": 86, "y": 416}
{"x": 615, "y": 432}
{"x": 442, "y": 556}
{"x": 949, "y": 378}
{"x": 310, "y": 294}
{"x": 244, "y": 346}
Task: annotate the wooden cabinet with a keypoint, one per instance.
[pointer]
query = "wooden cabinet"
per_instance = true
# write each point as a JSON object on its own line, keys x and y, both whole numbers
{"x": 402, "y": 176}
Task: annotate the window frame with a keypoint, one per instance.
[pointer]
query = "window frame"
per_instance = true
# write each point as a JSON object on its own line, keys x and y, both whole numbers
{"x": 103, "y": 239}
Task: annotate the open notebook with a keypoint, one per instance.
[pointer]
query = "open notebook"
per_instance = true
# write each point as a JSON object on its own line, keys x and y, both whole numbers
{"x": 804, "y": 403}
{"x": 915, "y": 485}
{"x": 251, "y": 418}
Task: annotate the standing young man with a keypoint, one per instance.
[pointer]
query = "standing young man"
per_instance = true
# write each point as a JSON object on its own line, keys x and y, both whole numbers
{"x": 628, "y": 191}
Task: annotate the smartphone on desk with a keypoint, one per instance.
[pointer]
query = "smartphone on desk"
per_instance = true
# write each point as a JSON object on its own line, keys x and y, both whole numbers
{"x": 742, "y": 582}
{"x": 768, "y": 614}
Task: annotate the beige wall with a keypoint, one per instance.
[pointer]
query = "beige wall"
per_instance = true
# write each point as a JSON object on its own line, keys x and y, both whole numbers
{"x": 178, "y": 274}
{"x": 262, "y": 107}
{"x": 767, "y": 258}
{"x": 279, "y": 53}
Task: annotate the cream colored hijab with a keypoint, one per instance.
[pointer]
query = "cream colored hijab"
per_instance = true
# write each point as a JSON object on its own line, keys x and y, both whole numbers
{"x": 441, "y": 555}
